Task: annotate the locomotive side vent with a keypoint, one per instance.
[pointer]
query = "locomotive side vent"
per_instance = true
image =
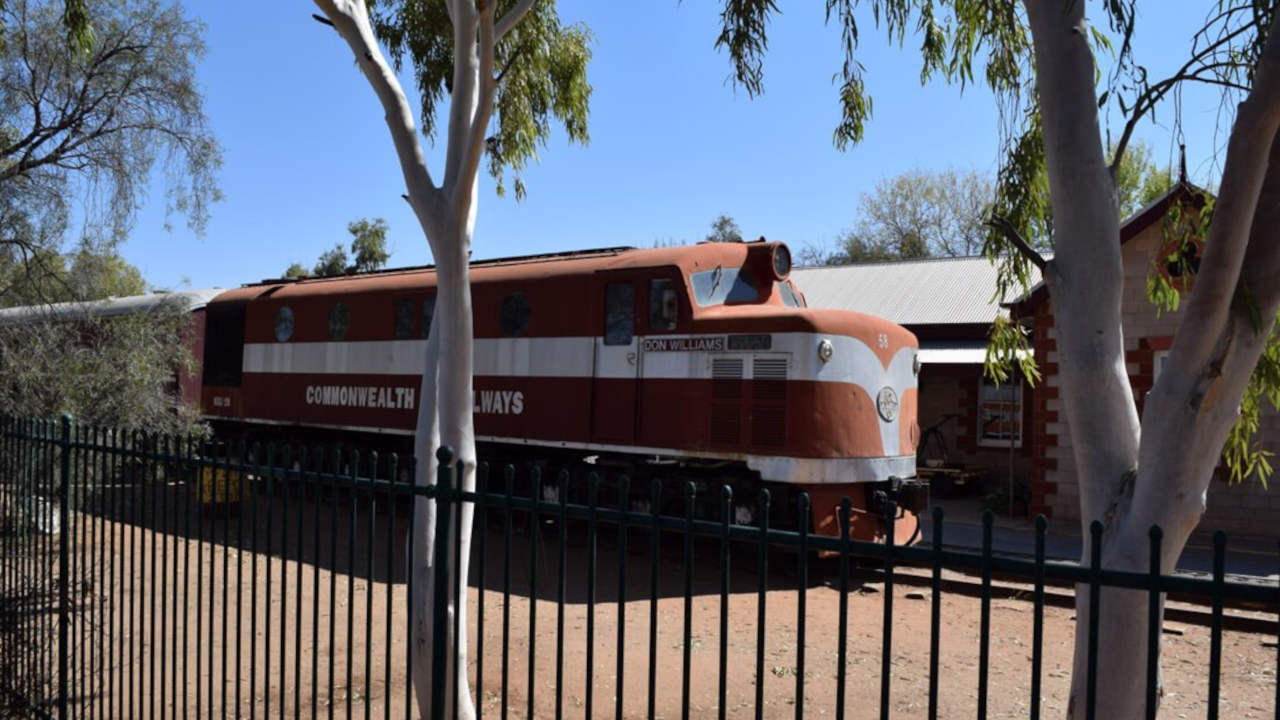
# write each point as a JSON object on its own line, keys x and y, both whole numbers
{"x": 768, "y": 425}
{"x": 726, "y": 396}
{"x": 726, "y": 378}
{"x": 770, "y": 378}
{"x": 769, "y": 395}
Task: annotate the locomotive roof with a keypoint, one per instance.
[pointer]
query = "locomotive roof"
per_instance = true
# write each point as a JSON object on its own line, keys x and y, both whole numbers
{"x": 689, "y": 258}
{"x": 110, "y": 307}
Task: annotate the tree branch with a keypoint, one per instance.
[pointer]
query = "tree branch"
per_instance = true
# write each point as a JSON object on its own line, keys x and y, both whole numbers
{"x": 463, "y": 192}
{"x": 1015, "y": 238}
{"x": 1244, "y": 178}
{"x": 351, "y": 19}
{"x": 1154, "y": 93}
{"x": 511, "y": 19}
{"x": 466, "y": 84}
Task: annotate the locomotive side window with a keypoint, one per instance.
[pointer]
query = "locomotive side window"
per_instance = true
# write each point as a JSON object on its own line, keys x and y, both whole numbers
{"x": 339, "y": 321}
{"x": 664, "y": 305}
{"x": 404, "y": 318}
{"x": 428, "y": 309}
{"x": 515, "y": 312}
{"x": 724, "y": 285}
{"x": 284, "y": 324}
{"x": 789, "y": 296}
{"x": 619, "y": 313}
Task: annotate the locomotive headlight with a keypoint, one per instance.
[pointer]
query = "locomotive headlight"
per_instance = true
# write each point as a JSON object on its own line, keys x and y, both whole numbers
{"x": 825, "y": 350}
{"x": 887, "y": 404}
{"x": 781, "y": 262}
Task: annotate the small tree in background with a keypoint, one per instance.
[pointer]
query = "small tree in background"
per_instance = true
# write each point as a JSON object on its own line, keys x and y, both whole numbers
{"x": 369, "y": 244}
{"x": 332, "y": 262}
{"x": 724, "y": 229}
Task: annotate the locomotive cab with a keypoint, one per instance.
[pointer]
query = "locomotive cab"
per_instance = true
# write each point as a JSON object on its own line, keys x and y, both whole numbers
{"x": 718, "y": 356}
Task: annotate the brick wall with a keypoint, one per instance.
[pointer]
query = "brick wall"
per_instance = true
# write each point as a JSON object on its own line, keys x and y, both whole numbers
{"x": 1244, "y": 508}
{"x": 953, "y": 389}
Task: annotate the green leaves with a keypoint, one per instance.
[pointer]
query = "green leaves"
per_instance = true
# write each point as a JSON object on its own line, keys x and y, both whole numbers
{"x": 541, "y": 72}
{"x": 952, "y": 34}
{"x": 1244, "y": 454}
{"x": 1009, "y": 353}
{"x": 544, "y": 71}
{"x": 743, "y": 28}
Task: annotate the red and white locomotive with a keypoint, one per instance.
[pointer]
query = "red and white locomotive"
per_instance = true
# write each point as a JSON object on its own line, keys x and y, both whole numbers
{"x": 704, "y": 358}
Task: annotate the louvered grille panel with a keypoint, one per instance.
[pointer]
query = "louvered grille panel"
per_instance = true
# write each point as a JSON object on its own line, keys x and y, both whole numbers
{"x": 726, "y": 378}
{"x": 766, "y": 368}
{"x": 768, "y": 425}
{"x": 726, "y": 425}
{"x": 769, "y": 379}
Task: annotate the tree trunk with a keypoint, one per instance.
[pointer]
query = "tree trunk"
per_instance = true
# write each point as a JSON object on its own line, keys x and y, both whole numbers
{"x": 444, "y": 419}
{"x": 1127, "y": 485}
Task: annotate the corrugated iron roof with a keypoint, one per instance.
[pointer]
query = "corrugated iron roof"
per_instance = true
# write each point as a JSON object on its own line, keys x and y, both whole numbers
{"x": 936, "y": 291}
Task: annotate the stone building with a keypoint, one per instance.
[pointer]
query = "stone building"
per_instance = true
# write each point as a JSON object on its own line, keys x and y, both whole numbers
{"x": 1244, "y": 508}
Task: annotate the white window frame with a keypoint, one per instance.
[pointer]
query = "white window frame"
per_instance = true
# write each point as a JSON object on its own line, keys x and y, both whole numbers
{"x": 984, "y": 384}
{"x": 1158, "y": 360}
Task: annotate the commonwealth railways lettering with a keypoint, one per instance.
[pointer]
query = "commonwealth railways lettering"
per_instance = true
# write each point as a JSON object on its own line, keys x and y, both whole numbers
{"x": 395, "y": 398}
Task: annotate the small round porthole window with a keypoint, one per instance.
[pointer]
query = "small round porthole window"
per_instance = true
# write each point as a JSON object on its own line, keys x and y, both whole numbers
{"x": 284, "y": 323}
{"x": 515, "y": 314}
{"x": 339, "y": 321}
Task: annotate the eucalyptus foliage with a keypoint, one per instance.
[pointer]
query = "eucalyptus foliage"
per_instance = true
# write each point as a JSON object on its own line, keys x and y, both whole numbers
{"x": 989, "y": 41}
{"x": 542, "y": 73}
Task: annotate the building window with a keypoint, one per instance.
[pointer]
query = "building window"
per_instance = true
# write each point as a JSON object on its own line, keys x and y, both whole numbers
{"x": 339, "y": 321}
{"x": 404, "y": 318}
{"x": 515, "y": 312}
{"x": 619, "y": 313}
{"x": 1000, "y": 413}
{"x": 664, "y": 304}
{"x": 1158, "y": 360}
{"x": 284, "y": 324}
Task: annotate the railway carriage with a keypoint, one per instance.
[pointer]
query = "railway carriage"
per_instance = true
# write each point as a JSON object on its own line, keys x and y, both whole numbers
{"x": 701, "y": 360}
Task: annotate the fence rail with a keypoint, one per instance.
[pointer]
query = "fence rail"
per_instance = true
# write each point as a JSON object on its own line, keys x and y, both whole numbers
{"x": 152, "y": 576}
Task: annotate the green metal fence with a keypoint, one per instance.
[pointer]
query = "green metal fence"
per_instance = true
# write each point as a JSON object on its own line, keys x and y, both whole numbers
{"x": 152, "y": 576}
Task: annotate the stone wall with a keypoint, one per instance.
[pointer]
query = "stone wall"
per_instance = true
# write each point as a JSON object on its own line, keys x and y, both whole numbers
{"x": 1245, "y": 508}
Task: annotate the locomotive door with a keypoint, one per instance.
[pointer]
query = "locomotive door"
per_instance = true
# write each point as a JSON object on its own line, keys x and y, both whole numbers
{"x": 617, "y": 364}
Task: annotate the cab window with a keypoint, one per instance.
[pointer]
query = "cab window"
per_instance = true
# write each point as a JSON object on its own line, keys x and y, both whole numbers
{"x": 724, "y": 285}
{"x": 664, "y": 304}
{"x": 790, "y": 297}
{"x": 619, "y": 313}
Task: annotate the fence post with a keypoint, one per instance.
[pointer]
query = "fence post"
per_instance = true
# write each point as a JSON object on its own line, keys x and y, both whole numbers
{"x": 64, "y": 552}
{"x": 440, "y": 587}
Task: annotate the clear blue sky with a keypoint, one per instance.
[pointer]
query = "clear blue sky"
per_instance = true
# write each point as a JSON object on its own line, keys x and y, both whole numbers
{"x": 673, "y": 144}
